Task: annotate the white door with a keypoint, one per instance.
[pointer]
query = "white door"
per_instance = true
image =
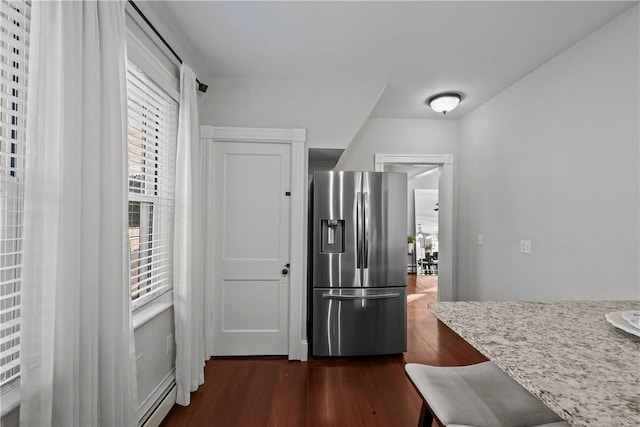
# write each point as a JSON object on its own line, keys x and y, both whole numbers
{"x": 252, "y": 214}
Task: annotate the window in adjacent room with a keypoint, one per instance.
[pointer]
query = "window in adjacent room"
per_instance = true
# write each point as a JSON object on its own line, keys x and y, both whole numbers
{"x": 152, "y": 122}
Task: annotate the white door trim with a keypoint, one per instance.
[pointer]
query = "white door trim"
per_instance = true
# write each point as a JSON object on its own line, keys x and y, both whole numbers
{"x": 298, "y": 270}
{"x": 446, "y": 282}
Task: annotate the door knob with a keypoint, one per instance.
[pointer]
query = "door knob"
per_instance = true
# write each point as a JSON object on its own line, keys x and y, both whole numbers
{"x": 285, "y": 271}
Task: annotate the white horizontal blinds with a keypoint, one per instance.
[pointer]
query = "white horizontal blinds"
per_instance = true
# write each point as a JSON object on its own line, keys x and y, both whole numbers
{"x": 14, "y": 53}
{"x": 152, "y": 119}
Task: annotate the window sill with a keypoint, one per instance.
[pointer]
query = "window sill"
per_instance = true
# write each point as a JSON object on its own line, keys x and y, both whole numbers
{"x": 151, "y": 310}
{"x": 10, "y": 400}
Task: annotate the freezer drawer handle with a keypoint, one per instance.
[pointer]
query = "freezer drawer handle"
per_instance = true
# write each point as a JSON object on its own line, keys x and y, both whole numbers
{"x": 377, "y": 296}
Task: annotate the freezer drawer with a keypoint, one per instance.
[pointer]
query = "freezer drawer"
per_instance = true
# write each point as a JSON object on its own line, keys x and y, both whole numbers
{"x": 359, "y": 322}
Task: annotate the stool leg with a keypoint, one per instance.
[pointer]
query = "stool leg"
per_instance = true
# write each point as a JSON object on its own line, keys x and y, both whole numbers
{"x": 426, "y": 419}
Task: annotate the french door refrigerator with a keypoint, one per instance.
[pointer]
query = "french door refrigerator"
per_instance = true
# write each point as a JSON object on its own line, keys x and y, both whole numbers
{"x": 359, "y": 263}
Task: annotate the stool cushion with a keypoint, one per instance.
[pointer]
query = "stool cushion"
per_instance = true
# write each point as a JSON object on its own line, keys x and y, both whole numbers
{"x": 557, "y": 424}
{"x": 480, "y": 395}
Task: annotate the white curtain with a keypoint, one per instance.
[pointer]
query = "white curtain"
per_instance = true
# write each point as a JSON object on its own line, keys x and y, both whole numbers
{"x": 77, "y": 342}
{"x": 188, "y": 255}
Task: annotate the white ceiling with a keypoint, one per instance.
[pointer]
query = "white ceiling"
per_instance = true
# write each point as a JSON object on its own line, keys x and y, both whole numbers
{"x": 417, "y": 48}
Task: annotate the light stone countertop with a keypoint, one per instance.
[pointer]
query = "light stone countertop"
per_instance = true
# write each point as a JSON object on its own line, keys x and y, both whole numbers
{"x": 564, "y": 353}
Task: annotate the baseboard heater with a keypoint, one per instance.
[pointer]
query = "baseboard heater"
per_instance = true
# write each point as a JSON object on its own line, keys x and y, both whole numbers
{"x": 156, "y": 407}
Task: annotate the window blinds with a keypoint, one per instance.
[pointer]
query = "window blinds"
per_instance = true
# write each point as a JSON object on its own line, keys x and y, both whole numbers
{"x": 14, "y": 53}
{"x": 152, "y": 129}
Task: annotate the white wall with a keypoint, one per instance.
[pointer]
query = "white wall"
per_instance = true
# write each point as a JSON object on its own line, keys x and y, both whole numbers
{"x": 155, "y": 358}
{"x": 331, "y": 110}
{"x": 555, "y": 159}
{"x": 399, "y": 136}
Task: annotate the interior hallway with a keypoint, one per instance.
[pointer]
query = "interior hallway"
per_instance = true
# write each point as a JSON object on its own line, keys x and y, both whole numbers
{"x": 362, "y": 391}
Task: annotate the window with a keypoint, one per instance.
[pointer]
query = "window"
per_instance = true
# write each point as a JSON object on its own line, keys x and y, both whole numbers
{"x": 14, "y": 52}
{"x": 152, "y": 122}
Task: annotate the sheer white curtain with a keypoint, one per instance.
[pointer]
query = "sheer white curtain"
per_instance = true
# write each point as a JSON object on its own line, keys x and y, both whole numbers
{"x": 77, "y": 342}
{"x": 188, "y": 255}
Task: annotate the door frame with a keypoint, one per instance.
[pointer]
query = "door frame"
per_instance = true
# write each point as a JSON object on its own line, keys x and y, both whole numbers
{"x": 446, "y": 279}
{"x": 297, "y": 272}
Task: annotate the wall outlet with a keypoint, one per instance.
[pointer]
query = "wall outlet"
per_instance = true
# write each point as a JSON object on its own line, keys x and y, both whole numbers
{"x": 525, "y": 246}
{"x": 480, "y": 239}
{"x": 169, "y": 343}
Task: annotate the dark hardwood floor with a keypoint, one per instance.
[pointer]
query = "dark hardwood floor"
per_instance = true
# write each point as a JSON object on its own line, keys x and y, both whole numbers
{"x": 362, "y": 391}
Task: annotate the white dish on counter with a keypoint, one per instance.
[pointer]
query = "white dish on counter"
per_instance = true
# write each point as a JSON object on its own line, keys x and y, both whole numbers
{"x": 632, "y": 317}
{"x": 616, "y": 319}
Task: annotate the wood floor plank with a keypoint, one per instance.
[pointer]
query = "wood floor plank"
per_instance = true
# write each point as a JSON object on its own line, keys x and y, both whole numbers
{"x": 326, "y": 392}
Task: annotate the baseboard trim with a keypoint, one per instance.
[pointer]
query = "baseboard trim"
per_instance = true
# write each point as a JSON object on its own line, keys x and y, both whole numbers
{"x": 163, "y": 409}
{"x": 304, "y": 350}
{"x": 156, "y": 399}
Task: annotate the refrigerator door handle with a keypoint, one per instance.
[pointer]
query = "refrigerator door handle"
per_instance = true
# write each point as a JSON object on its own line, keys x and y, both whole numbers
{"x": 358, "y": 230}
{"x": 352, "y": 297}
{"x": 365, "y": 220}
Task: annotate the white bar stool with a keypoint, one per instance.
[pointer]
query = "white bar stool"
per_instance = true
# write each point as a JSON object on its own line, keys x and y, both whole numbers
{"x": 479, "y": 395}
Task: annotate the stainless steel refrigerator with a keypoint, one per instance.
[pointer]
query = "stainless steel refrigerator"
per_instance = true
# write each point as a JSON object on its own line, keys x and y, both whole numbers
{"x": 358, "y": 283}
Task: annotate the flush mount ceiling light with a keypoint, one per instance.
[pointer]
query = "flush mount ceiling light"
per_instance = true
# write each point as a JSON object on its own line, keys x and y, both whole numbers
{"x": 444, "y": 102}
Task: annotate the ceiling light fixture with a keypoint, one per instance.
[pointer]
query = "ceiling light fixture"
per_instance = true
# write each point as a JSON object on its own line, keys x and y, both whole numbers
{"x": 444, "y": 102}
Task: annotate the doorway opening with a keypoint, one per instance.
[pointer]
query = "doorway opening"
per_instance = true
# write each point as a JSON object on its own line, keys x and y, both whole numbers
{"x": 432, "y": 227}
{"x": 422, "y": 222}
{"x": 426, "y": 230}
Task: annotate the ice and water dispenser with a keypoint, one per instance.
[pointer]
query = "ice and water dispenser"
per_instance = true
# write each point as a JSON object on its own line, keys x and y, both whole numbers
{"x": 332, "y": 236}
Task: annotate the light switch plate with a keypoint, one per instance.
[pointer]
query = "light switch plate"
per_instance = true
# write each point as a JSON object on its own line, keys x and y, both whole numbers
{"x": 480, "y": 239}
{"x": 525, "y": 246}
